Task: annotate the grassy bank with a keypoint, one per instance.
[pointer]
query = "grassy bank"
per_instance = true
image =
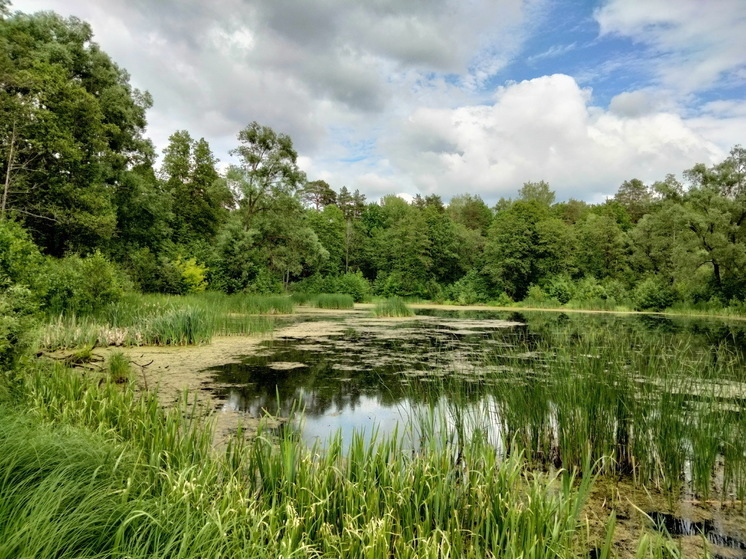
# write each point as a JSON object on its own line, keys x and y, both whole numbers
{"x": 164, "y": 320}
{"x": 93, "y": 470}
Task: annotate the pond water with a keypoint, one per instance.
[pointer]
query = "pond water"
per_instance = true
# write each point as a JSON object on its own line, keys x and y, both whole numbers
{"x": 373, "y": 372}
{"x": 664, "y": 397}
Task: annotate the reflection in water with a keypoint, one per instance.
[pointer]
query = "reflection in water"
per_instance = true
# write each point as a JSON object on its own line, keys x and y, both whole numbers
{"x": 378, "y": 372}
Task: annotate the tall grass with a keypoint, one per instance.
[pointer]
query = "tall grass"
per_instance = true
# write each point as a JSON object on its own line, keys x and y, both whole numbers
{"x": 394, "y": 307}
{"x": 654, "y": 408}
{"x": 332, "y": 301}
{"x": 102, "y": 472}
{"x": 164, "y": 320}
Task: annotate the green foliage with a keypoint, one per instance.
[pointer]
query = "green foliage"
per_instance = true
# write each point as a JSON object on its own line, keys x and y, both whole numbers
{"x": 392, "y": 308}
{"x": 71, "y": 130}
{"x": 83, "y": 285}
{"x": 353, "y": 284}
{"x": 652, "y": 294}
{"x": 537, "y": 297}
{"x": 17, "y": 309}
{"x": 471, "y": 289}
{"x": 193, "y": 276}
{"x": 118, "y": 367}
{"x": 332, "y": 301}
{"x": 20, "y": 260}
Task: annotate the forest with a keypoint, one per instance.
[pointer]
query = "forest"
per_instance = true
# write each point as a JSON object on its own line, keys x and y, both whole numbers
{"x": 82, "y": 182}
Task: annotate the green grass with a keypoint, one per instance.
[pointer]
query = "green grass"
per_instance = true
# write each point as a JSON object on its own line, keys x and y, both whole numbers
{"x": 164, "y": 320}
{"x": 118, "y": 368}
{"x": 332, "y": 301}
{"x": 94, "y": 470}
{"x": 393, "y": 307}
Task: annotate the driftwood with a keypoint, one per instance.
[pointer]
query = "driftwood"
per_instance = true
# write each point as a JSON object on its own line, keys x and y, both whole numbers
{"x": 142, "y": 370}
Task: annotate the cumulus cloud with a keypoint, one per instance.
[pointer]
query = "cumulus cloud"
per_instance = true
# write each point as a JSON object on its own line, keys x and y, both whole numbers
{"x": 542, "y": 129}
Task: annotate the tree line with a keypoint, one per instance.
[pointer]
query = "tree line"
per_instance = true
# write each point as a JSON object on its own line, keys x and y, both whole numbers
{"x": 84, "y": 201}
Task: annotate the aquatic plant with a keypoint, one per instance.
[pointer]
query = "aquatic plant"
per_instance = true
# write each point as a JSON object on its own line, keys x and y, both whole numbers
{"x": 101, "y": 471}
{"x": 394, "y": 307}
{"x": 118, "y": 367}
{"x": 332, "y": 301}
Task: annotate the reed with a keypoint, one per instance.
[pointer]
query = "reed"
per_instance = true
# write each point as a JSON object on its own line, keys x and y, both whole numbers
{"x": 335, "y": 301}
{"x": 164, "y": 320}
{"x": 99, "y": 471}
{"x": 392, "y": 308}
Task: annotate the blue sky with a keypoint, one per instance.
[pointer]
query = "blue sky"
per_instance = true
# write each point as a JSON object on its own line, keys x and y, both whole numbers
{"x": 443, "y": 96}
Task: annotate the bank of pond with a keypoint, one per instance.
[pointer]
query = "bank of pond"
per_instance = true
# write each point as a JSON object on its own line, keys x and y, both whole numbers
{"x": 449, "y": 433}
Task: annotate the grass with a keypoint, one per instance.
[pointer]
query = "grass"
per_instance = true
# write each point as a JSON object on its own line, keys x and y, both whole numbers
{"x": 393, "y": 307}
{"x": 332, "y": 301}
{"x": 164, "y": 320}
{"x": 101, "y": 470}
{"x": 118, "y": 368}
{"x": 97, "y": 471}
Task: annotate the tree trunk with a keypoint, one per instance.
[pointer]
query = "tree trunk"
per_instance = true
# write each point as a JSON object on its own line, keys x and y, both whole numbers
{"x": 6, "y": 185}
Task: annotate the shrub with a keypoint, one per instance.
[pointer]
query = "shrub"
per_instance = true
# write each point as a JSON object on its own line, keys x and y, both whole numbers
{"x": 353, "y": 283}
{"x": 653, "y": 295}
{"x": 83, "y": 285}
{"x": 193, "y": 276}
{"x": 561, "y": 288}
{"x": 16, "y": 311}
{"x": 537, "y": 297}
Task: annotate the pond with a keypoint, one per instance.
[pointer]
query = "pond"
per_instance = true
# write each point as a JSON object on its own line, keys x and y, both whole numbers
{"x": 659, "y": 402}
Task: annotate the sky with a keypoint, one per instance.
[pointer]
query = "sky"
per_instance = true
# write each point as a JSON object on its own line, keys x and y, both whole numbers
{"x": 442, "y": 97}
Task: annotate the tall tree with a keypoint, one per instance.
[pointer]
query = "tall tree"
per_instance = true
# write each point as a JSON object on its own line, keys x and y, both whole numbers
{"x": 268, "y": 169}
{"x": 71, "y": 130}
{"x": 199, "y": 197}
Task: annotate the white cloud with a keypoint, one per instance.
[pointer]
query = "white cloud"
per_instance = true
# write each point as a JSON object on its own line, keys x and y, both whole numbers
{"x": 543, "y": 129}
{"x": 695, "y": 44}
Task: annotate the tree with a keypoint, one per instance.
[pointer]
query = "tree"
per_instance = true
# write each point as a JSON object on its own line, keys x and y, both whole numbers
{"x": 635, "y": 197}
{"x": 538, "y": 192}
{"x": 525, "y": 244}
{"x": 191, "y": 180}
{"x": 319, "y": 194}
{"x": 71, "y": 130}
{"x": 715, "y": 215}
{"x": 268, "y": 169}
{"x": 471, "y": 212}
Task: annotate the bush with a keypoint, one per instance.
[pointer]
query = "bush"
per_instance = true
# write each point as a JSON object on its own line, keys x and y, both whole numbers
{"x": 561, "y": 288}
{"x": 353, "y": 283}
{"x": 470, "y": 289}
{"x": 193, "y": 276}
{"x": 537, "y": 297}
{"x": 17, "y": 307}
{"x": 654, "y": 295}
{"x": 83, "y": 285}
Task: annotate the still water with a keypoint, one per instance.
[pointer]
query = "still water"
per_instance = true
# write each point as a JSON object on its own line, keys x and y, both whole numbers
{"x": 372, "y": 373}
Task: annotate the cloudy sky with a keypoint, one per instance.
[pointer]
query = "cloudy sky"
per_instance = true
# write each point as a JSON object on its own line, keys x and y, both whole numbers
{"x": 443, "y": 96}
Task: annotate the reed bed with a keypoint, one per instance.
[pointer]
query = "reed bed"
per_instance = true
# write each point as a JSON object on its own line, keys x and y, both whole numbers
{"x": 164, "y": 320}
{"x": 94, "y": 470}
{"x": 335, "y": 301}
{"x": 392, "y": 308}
{"x": 658, "y": 409}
